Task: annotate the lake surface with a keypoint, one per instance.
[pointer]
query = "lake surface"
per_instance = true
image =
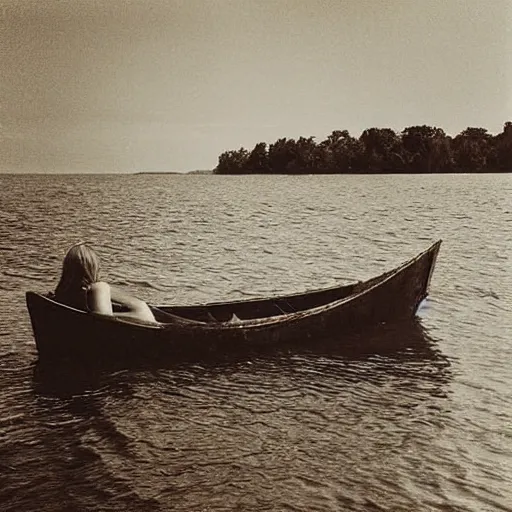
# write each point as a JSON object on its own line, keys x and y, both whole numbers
{"x": 427, "y": 427}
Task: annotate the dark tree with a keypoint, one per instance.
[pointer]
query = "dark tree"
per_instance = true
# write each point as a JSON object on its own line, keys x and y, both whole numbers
{"x": 280, "y": 155}
{"x": 425, "y": 148}
{"x": 503, "y": 148}
{"x": 340, "y": 153}
{"x": 473, "y": 147}
{"x": 382, "y": 148}
{"x": 233, "y": 162}
{"x": 258, "y": 161}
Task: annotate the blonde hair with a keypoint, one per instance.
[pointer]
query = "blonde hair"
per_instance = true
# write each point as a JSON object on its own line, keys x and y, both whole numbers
{"x": 80, "y": 269}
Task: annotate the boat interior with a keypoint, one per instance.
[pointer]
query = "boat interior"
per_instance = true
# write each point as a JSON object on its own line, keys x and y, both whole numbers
{"x": 260, "y": 308}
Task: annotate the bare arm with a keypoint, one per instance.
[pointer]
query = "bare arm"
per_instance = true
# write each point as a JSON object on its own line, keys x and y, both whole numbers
{"x": 123, "y": 299}
{"x": 136, "y": 308}
{"x": 100, "y": 299}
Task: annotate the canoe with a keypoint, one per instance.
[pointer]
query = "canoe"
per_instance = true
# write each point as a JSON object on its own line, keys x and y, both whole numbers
{"x": 60, "y": 330}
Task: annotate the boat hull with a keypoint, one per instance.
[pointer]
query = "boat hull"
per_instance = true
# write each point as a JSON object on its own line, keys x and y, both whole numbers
{"x": 225, "y": 327}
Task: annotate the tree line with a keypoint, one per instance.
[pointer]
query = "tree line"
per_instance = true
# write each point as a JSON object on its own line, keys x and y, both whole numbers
{"x": 417, "y": 149}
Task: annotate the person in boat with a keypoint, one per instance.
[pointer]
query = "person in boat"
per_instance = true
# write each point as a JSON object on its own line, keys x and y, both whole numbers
{"x": 81, "y": 288}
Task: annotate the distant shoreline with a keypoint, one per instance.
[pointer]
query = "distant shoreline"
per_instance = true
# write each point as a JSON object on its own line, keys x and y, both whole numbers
{"x": 419, "y": 149}
{"x": 175, "y": 172}
{"x": 365, "y": 173}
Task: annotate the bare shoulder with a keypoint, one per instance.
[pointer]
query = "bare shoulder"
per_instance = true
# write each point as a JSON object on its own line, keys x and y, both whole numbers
{"x": 100, "y": 287}
{"x": 98, "y": 298}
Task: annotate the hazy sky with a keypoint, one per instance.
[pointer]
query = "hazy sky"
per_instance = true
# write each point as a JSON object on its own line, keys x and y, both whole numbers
{"x": 127, "y": 85}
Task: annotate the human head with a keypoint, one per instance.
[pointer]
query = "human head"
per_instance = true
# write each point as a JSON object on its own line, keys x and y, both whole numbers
{"x": 80, "y": 268}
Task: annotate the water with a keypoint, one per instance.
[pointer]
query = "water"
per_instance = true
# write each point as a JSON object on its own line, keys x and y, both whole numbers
{"x": 425, "y": 427}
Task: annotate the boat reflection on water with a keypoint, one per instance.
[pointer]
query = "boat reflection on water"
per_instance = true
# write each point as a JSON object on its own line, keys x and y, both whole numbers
{"x": 395, "y": 338}
{"x": 403, "y": 349}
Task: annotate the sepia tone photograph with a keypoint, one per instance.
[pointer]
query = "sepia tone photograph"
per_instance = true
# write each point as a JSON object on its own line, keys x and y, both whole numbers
{"x": 255, "y": 255}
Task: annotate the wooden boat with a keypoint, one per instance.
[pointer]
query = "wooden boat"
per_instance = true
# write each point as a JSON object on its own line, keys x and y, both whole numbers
{"x": 60, "y": 330}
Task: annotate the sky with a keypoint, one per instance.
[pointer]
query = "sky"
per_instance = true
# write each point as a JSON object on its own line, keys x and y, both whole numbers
{"x": 154, "y": 85}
